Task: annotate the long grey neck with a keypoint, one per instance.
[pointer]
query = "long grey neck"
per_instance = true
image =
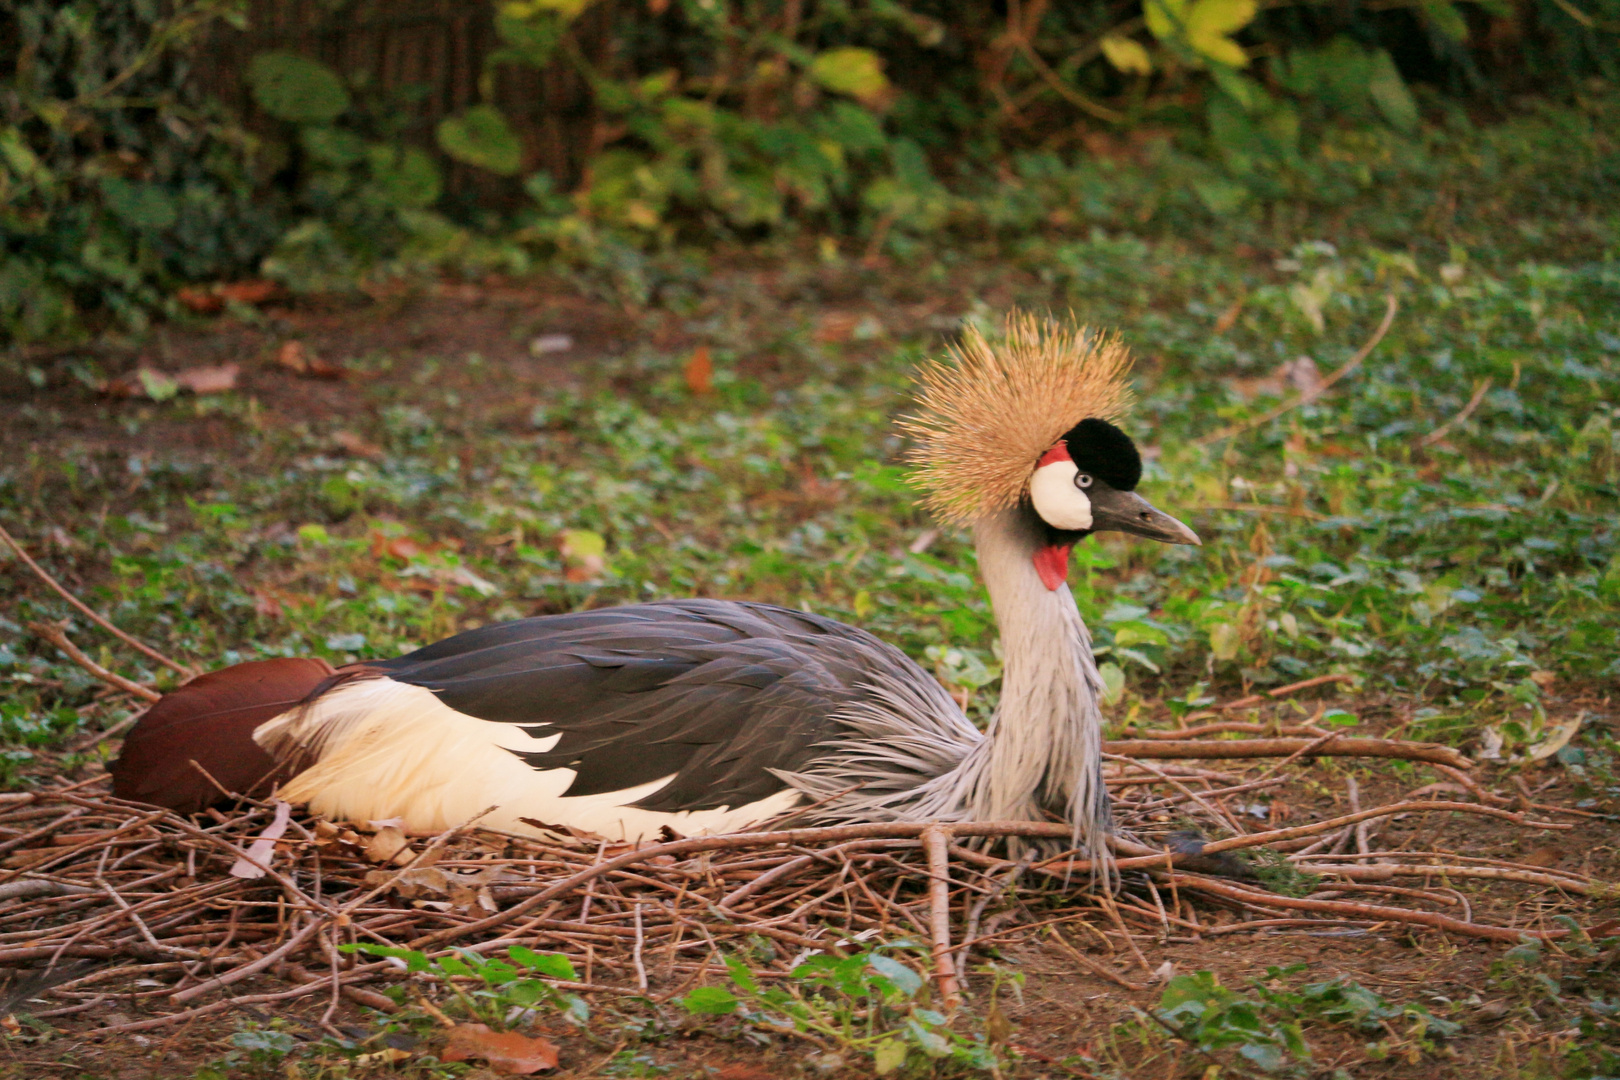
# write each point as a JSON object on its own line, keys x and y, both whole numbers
{"x": 1044, "y": 751}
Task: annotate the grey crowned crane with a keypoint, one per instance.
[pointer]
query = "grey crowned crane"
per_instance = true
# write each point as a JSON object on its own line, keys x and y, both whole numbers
{"x": 710, "y": 715}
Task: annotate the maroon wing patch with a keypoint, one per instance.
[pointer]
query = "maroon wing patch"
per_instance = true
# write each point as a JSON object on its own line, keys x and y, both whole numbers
{"x": 210, "y": 721}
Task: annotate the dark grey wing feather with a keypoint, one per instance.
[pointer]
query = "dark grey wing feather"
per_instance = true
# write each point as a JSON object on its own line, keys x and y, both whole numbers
{"x": 718, "y": 693}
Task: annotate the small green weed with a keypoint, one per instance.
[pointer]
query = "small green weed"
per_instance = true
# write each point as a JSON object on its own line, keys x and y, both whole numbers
{"x": 500, "y": 994}
{"x": 870, "y": 1004}
{"x": 1264, "y": 1033}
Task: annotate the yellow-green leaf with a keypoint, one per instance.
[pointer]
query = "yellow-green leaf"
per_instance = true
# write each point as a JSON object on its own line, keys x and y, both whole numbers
{"x": 1127, "y": 55}
{"x": 889, "y": 1056}
{"x": 1166, "y": 19}
{"x": 853, "y": 71}
{"x": 1210, "y": 21}
{"x": 525, "y": 9}
{"x": 1211, "y": 17}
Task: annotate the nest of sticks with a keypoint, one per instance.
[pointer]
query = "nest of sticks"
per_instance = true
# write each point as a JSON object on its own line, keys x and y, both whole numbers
{"x": 102, "y": 898}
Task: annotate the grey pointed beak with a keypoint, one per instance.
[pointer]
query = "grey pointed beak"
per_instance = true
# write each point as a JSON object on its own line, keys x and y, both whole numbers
{"x": 1128, "y": 512}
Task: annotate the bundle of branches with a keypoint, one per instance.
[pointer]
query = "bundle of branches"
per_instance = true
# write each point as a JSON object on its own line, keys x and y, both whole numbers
{"x": 102, "y": 897}
{"x": 98, "y": 895}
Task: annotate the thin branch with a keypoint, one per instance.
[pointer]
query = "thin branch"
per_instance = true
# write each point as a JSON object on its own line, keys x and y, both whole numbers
{"x": 936, "y": 840}
{"x": 1440, "y": 432}
{"x": 58, "y": 637}
{"x": 1316, "y": 392}
{"x": 1331, "y": 746}
{"x": 88, "y": 613}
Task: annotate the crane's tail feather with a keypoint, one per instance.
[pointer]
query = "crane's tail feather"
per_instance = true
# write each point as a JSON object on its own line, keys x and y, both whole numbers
{"x": 210, "y": 721}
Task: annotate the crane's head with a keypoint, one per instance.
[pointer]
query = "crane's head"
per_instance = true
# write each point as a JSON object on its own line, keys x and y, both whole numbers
{"x": 1028, "y": 422}
{"x": 1086, "y": 483}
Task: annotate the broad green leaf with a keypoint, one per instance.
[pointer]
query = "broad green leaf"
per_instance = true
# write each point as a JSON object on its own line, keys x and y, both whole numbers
{"x": 889, "y": 1056}
{"x": 907, "y": 981}
{"x": 1225, "y": 641}
{"x": 1445, "y": 17}
{"x": 332, "y": 146}
{"x": 404, "y": 176}
{"x": 1202, "y": 26}
{"x": 1210, "y": 17}
{"x": 551, "y": 965}
{"x": 1389, "y": 92}
{"x": 1127, "y": 55}
{"x": 1240, "y": 88}
{"x": 1113, "y": 677}
{"x": 929, "y": 1042}
{"x": 850, "y": 70}
{"x": 710, "y": 1001}
{"x": 143, "y": 206}
{"x": 482, "y": 137}
{"x": 1166, "y": 19}
{"x": 296, "y": 89}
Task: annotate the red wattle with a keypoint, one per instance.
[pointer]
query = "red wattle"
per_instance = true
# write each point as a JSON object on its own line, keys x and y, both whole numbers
{"x": 1052, "y": 563}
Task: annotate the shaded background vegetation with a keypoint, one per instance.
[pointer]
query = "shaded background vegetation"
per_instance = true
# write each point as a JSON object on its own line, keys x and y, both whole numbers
{"x": 150, "y": 144}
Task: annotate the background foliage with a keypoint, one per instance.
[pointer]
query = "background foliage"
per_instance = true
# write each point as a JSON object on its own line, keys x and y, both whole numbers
{"x": 123, "y": 177}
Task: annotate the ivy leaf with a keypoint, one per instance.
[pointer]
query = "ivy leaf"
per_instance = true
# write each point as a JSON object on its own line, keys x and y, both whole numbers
{"x": 889, "y": 1056}
{"x": 1202, "y": 26}
{"x": 1444, "y": 17}
{"x": 1127, "y": 55}
{"x": 907, "y": 981}
{"x": 1389, "y": 92}
{"x": 405, "y": 176}
{"x": 296, "y": 89}
{"x": 710, "y": 1001}
{"x": 482, "y": 137}
{"x": 1209, "y": 23}
{"x": 551, "y": 965}
{"x": 850, "y": 70}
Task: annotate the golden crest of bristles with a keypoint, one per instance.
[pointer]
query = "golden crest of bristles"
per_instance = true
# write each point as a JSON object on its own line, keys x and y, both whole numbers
{"x": 989, "y": 412}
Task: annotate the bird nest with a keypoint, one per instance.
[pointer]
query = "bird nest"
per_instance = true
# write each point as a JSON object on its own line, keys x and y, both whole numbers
{"x": 174, "y": 915}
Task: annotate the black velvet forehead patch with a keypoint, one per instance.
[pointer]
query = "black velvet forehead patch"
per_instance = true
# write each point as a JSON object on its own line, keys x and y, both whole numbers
{"x": 1104, "y": 451}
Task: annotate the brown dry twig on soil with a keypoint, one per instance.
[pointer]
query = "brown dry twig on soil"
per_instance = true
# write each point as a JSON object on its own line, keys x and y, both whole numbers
{"x": 89, "y": 613}
{"x": 1392, "y": 306}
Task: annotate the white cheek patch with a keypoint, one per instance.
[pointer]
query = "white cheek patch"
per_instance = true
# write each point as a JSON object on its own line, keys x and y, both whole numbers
{"x": 1060, "y": 504}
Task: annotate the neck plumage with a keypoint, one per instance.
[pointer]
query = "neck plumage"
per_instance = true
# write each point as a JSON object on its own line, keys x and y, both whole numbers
{"x": 1044, "y": 750}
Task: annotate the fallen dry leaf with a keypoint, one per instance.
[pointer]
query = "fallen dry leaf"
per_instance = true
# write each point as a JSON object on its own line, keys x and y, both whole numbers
{"x": 1229, "y": 316}
{"x": 700, "y": 371}
{"x": 199, "y": 300}
{"x": 388, "y": 844}
{"x": 358, "y": 446}
{"x": 297, "y": 358}
{"x": 836, "y": 326}
{"x": 1545, "y": 857}
{"x": 252, "y": 291}
{"x": 208, "y": 380}
{"x": 507, "y": 1052}
{"x": 148, "y": 382}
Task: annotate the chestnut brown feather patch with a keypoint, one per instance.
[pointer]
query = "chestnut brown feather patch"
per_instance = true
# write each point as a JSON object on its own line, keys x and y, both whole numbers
{"x": 210, "y": 720}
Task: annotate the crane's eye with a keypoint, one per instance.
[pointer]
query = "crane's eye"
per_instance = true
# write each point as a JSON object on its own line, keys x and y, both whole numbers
{"x": 1081, "y": 480}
